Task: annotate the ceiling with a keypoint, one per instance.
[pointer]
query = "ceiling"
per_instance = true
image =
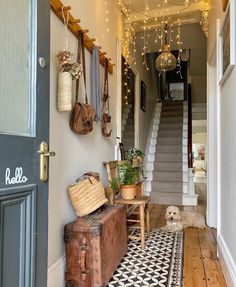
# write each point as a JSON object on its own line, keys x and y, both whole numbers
{"x": 173, "y": 9}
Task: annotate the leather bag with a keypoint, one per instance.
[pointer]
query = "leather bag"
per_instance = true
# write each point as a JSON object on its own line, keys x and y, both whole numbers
{"x": 83, "y": 114}
{"x": 106, "y": 118}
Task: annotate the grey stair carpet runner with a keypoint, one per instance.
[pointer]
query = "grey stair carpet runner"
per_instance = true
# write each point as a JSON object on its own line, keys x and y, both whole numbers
{"x": 167, "y": 184}
{"x": 128, "y": 132}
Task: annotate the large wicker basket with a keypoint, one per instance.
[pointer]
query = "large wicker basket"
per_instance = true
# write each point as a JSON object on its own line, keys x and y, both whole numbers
{"x": 87, "y": 195}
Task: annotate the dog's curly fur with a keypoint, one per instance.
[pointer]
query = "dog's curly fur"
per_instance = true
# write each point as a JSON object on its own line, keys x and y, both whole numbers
{"x": 176, "y": 220}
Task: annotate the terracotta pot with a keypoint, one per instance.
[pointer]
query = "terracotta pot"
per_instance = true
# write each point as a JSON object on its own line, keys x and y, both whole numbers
{"x": 135, "y": 161}
{"x": 140, "y": 159}
{"x": 128, "y": 191}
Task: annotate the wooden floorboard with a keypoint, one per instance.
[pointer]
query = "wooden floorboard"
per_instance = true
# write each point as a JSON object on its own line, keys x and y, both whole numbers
{"x": 201, "y": 264}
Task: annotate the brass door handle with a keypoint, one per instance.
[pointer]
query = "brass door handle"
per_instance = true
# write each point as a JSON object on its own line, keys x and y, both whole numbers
{"x": 50, "y": 153}
{"x": 44, "y": 155}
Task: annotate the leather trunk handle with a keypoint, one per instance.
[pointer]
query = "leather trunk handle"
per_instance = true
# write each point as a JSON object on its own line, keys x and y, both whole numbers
{"x": 82, "y": 259}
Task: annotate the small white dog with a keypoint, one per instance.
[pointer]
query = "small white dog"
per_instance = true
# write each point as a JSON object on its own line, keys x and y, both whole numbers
{"x": 176, "y": 220}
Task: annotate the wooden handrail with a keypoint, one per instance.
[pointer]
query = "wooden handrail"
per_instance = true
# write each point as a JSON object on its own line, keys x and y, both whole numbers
{"x": 74, "y": 27}
{"x": 190, "y": 156}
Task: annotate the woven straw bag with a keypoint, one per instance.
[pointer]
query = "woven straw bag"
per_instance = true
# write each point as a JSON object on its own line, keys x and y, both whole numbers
{"x": 87, "y": 195}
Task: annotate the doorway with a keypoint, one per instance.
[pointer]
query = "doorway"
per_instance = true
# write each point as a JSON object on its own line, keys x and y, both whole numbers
{"x": 24, "y": 124}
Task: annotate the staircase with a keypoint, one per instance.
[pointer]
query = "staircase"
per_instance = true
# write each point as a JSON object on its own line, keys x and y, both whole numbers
{"x": 128, "y": 127}
{"x": 167, "y": 174}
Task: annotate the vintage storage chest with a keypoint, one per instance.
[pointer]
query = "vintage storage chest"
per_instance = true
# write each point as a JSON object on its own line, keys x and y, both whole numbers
{"x": 95, "y": 245}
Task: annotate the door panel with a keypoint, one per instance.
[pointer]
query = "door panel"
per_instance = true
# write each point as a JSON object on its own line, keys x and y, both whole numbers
{"x": 24, "y": 124}
{"x": 17, "y": 238}
{"x": 17, "y": 49}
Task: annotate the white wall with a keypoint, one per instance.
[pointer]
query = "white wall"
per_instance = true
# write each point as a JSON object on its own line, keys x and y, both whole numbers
{"x": 76, "y": 154}
{"x": 227, "y": 130}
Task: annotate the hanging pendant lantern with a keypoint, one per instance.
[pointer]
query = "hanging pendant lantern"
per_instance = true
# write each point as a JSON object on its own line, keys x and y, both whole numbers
{"x": 166, "y": 61}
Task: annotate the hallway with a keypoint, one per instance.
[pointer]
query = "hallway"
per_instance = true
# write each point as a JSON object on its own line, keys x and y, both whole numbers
{"x": 201, "y": 265}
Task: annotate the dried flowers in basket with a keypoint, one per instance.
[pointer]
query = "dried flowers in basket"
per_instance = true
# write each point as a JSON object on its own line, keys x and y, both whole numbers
{"x": 68, "y": 71}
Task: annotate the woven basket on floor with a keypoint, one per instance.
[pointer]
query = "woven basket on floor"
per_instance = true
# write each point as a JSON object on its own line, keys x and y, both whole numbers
{"x": 87, "y": 195}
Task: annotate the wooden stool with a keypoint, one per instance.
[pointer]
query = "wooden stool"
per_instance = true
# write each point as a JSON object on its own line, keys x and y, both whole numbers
{"x": 142, "y": 203}
{"x": 138, "y": 206}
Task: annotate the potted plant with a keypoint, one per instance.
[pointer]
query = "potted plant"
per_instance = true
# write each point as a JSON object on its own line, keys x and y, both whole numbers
{"x": 136, "y": 156}
{"x": 129, "y": 176}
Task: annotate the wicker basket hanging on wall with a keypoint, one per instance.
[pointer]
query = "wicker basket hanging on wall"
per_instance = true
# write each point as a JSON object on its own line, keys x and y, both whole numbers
{"x": 64, "y": 93}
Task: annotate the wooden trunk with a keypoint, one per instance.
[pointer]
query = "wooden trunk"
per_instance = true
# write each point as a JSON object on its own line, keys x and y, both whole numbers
{"x": 95, "y": 245}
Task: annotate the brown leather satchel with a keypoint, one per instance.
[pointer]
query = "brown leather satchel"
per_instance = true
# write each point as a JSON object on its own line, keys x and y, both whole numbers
{"x": 106, "y": 118}
{"x": 83, "y": 114}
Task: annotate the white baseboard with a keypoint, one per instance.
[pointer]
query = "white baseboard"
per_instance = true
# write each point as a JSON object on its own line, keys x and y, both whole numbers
{"x": 56, "y": 273}
{"x": 190, "y": 199}
{"x": 227, "y": 263}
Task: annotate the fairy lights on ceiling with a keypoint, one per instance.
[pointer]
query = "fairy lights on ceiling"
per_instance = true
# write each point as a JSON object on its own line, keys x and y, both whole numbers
{"x": 154, "y": 18}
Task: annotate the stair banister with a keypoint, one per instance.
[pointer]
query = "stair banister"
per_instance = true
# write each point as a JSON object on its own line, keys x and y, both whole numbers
{"x": 190, "y": 156}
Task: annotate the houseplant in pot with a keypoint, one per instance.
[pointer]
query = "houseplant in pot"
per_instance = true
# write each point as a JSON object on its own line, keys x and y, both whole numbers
{"x": 136, "y": 156}
{"x": 129, "y": 176}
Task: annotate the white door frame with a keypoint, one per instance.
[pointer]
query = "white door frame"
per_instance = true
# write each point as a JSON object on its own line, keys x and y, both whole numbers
{"x": 211, "y": 213}
{"x": 213, "y": 139}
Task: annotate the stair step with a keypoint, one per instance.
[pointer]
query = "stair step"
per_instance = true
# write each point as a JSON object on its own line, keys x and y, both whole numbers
{"x": 171, "y": 120}
{"x": 172, "y": 103}
{"x": 168, "y": 165}
{"x": 174, "y": 148}
{"x": 167, "y": 176}
{"x": 169, "y": 140}
{"x": 172, "y": 107}
{"x": 171, "y": 126}
{"x": 168, "y": 156}
{"x": 130, "y": 121}
{"x": 128, "y": 128}
{"x": 167, "y": 198}
{"x": 128, "y": 134}
{"x": 170, "y": 133}
{"x": 171, "y": 114}
{"x": 167, "y": 186}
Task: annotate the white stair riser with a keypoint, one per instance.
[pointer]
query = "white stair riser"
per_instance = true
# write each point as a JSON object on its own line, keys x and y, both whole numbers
{"x": 149, "y": 166}
{"x": 148, "y": 175}
{"x": 185, "y": 166}
{"x": 190, "y": 199}
{"x": 185, "y": 176}
{"x": 152, "y": 149}
{"x": 153, "y": 141}
{"x": 148, "y": 187}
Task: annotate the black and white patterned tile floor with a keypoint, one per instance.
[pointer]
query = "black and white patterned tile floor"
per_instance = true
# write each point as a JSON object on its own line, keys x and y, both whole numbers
{"x": 160, "y": 264}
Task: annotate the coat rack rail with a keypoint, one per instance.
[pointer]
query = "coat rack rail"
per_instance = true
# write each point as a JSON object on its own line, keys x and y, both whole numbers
{"x": 74, "y": 27}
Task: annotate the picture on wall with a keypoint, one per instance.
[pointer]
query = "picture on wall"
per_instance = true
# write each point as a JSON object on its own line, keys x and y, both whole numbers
{"x": 227, "y": 43}
{"x": 143, "y": 96}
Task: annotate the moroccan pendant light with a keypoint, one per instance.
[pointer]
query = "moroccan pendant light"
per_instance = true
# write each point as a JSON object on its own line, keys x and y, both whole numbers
{"x": 166, "y": 61}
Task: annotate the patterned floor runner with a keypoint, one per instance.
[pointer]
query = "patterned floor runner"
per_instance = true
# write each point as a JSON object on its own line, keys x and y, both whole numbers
{"x": 161, "y": 264}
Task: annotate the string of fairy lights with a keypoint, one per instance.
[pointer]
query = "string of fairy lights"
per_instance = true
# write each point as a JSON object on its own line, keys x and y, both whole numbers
{"x": 162, "y": 20}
